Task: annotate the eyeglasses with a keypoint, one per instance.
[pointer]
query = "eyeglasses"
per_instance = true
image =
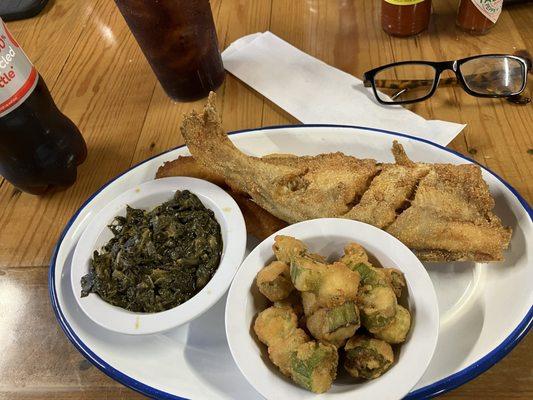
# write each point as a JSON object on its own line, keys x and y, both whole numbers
{"x": 490, "y": 75}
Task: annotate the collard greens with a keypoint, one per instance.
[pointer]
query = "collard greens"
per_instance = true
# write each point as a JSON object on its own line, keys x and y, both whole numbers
{"x": 157, "y": 259}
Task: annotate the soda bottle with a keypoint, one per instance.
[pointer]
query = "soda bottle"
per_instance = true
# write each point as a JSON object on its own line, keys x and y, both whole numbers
{"x": 40, "y": 148}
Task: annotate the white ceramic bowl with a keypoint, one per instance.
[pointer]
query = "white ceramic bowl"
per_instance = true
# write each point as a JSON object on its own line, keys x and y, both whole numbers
{"x": 328, "y": 236}
{"x": 148, "y": 195}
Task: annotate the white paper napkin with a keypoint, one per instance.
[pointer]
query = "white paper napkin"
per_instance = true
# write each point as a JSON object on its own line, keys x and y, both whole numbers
{"x": 316, "y": 93}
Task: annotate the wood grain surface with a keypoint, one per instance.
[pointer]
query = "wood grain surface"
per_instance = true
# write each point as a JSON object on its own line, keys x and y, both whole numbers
{"x": 100, "y": 79}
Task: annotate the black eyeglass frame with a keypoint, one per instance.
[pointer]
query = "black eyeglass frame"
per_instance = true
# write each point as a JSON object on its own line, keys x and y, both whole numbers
{"x": 440, "y": 67}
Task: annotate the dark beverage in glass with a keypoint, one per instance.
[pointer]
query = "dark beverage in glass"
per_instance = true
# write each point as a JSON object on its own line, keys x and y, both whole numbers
{"x": 40, "y": 148}
{"x": 179, "y": 40}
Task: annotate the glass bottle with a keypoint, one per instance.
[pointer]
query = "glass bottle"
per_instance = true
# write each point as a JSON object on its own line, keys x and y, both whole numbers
{"x": 405, "y": 17}
{"x": 478, "y": 16}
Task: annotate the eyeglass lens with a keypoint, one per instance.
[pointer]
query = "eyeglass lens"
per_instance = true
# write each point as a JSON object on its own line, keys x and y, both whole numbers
{"x": 404, "y": 82}
{"x": 502, "y": 76}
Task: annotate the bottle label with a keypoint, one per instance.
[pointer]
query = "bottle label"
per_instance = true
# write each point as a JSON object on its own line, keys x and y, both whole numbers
{"x": 18, "y": 76}
{"x": 489, "y": 8}
{"x": 404, "y": 2}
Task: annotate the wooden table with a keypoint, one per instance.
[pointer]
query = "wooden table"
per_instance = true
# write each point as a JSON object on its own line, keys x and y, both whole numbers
{"x": 99, "y": 78}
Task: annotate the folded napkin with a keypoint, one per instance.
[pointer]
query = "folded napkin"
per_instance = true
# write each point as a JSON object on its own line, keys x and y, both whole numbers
{"x": 316, "y": 93}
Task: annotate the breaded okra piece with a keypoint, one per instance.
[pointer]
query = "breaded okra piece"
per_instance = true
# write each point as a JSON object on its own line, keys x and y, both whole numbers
{"x": 377, "y": 300}
{"x": 397, "y": 330}
{"x": 306, "y": 274}
{"x": 281, "y": 352}
{"x": 329, "y": 294}
{"x": 275, "y": 324}
{"x": 314, "y": 366}
{"x": 367, "y": 358}
{"x": 310, "y": 364}
{"x": 354, "y": 253}
{"x": 396, "y": 280}
{"x": 333, "y": 284}
{"x": 334, "y": 325}
{"x": 274, "y": 281}
{"x": 286, "y": 248}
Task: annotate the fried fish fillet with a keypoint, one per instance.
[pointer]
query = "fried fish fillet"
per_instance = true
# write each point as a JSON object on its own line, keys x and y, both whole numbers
{"x": 442, "y": 212}
{"x": 451, "y": 218}
{"x": 387, "y": 193}
{"x": 292, "y": 188}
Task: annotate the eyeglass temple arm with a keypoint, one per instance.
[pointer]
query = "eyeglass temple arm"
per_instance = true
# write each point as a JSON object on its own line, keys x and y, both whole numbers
{"x": 414, "y": 83}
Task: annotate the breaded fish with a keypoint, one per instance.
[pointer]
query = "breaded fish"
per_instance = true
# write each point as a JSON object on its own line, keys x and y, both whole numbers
{"x": 386, "y": 194}
{"x": 293, "y": 189}
{"x": 451, "y": 218}
{"x": 443, "y": 212}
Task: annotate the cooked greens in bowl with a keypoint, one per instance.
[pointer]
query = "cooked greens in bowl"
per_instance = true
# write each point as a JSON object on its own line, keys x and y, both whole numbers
{"x": 166, "y": 260}
{"x": 157, "y": 259}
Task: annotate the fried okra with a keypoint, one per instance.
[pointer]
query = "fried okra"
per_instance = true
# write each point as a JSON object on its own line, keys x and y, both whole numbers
{"x": 306, "y": 273}
{"x": 396, "y": 280}
{"x": 275, "y": 324}
{"x": 314, "y": 366}
{"x": 286, "y": 248}
{"x": 397, "y": 330}
{"x": 315, "y": 299}
{"x": 367, "y": 358}
{"x": 334, "y": 325}
{"x": 329, "y": 292}
{"x": 354, "y": 253}
{"x": 309, "y": 302}
{"x": 333, "y": 284}
{"x": 274, "y": 281}
{"x": 310, "y": 364}
{"x": 294, "y": 301}
{"x": 377, "y": 306}
{"x": 377, "y": 300}
{"x": 281, "y": 352}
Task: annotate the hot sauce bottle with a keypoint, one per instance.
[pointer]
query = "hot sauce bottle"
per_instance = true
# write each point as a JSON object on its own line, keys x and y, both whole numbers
{"x": 405, "y": 17}
{"x": 478, "y": 16}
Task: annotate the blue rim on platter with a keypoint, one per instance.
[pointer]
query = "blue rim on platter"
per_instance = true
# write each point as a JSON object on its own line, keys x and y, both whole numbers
{"x": 435, "y": 389}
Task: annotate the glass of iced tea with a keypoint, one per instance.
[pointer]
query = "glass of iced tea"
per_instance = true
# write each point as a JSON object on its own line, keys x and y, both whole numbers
{"x": 179, "y": 39}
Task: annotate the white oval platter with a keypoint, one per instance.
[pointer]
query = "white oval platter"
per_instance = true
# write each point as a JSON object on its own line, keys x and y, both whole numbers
{"x": 485, "y": 309}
